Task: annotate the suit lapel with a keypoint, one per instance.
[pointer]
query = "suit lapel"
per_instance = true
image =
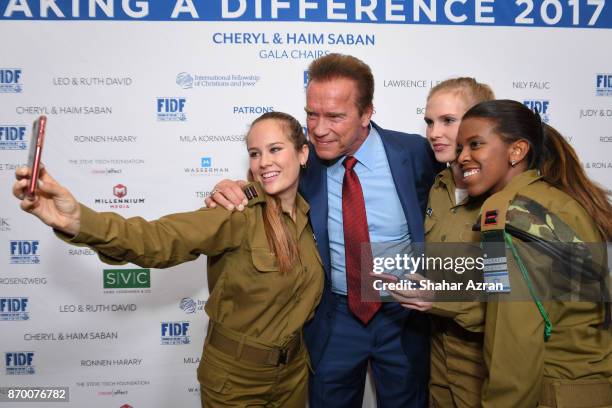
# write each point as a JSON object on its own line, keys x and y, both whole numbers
{"x": 400, "y": 163}
{"x": 313, "y": 186}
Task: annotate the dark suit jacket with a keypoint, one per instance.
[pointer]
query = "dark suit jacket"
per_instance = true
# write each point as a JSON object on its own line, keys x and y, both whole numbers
{"x": 413, "y": 168}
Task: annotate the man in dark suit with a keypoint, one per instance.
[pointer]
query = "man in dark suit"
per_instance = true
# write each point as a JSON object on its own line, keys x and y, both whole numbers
{"x": 390, "y": 173}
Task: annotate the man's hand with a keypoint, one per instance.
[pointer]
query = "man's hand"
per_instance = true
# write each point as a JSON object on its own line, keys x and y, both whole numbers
{"x": 415, "y": 299}
{"x": 228, "y": 194}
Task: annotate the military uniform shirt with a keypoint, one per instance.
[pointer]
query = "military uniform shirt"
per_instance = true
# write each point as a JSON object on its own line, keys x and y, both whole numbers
{"x": 248, "y": 294}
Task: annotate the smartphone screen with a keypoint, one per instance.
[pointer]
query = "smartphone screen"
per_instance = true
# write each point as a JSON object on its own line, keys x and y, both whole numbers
{"x": 36, "y": 145}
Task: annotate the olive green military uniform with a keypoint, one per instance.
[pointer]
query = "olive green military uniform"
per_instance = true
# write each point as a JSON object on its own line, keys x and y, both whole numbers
{"x": 573, "y": 367}
{"x": 254, "y": 353}
{"x": 457, "y": 366}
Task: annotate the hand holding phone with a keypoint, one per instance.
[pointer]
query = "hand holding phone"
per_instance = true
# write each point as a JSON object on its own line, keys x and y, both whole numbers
{"x": 36, "y": 146}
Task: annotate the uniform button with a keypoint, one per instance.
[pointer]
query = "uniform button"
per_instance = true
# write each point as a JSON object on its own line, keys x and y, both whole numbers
{"x": 454, "y": 210}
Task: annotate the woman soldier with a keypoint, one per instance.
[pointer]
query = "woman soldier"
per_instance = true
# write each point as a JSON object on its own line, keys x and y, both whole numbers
{"x": 457, "y": 367}
{"x": 264, "y": 273}
{"x": 546, "y": 352}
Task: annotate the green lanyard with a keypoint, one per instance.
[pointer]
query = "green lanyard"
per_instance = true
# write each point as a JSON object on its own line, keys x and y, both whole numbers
{"x": 523, "y": 269}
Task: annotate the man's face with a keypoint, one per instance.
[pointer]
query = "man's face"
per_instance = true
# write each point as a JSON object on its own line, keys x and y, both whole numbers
{"x": 335, "y": 126}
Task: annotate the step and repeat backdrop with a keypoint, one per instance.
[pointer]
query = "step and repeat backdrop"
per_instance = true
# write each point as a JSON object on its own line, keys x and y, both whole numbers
{"x": 148, "y": 103}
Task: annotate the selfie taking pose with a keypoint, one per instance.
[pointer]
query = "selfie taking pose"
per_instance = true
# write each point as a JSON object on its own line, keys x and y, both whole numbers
{"x": 264, "y": 272}
{"x": 546, "y": 352}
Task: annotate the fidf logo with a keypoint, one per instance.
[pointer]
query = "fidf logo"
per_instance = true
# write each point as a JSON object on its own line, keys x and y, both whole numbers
{"x": 173, "y": 333}
{"x": 9, "y": 80}
{"x": 12, "y": 137}
{"x": 19, "y": 362}
{"x": 603, "y": 85}
{"x": 14, "y": 309}
{"x": 171, "y": 109}
{"x": 119, "y": 191}
{"x": 540, "y": 106}
{"x": 206, "y": 162}
{"x": 24, "y": 252}
{"x": 127, "y": 278}
{"x": 184, "y": 80}
{"x": 305, "y": 78}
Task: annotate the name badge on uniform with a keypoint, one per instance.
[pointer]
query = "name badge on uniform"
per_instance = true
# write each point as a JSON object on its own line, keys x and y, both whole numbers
{"x": 429, "y": 211}
{"x": 496, "y": 277}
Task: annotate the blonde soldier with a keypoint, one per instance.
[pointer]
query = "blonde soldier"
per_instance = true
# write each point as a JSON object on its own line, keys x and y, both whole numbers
{"x": 457, "y": 367}
{"x": 264, "y": 273}
{"x": 538, "y": 352}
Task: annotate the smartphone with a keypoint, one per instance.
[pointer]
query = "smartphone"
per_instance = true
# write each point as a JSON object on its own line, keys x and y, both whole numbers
{"x": 36, "y": 145}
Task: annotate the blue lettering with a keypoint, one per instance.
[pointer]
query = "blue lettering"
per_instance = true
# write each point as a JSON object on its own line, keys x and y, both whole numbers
{"x": 10, "y": 76}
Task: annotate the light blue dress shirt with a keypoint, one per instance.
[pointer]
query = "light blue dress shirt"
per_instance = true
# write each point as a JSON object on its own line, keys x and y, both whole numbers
{"x": 386, "y": 219}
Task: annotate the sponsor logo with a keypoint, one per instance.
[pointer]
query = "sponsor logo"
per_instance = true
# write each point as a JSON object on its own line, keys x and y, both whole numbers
{"x": 409, "y": 83}
{"x": 10, "y": 80}
{"x": 173, "y": 333}
{"x": 212, "y": 138}
{"x": 64, "y": 110}
{"x": 13, "y": 308}
{"x": 127, "y": 280}
{"x": 186, "y": 80}
{"x": 113, "y": 383}
{"x": 4, "y": 225}
{"x": 595, "y": 113}
{"x": 117, "y": 362}
{"x": 74, "y": 336}
{"x": 120, "y": 191}
{"x": 305, "y": 78}
{"x": 191, "y": 306}
{"x": 13, "y": 137}
{"x": 202, "y": 194}
{"x": 600, "y": 165}
{"x": 105, "y": 139}
{"x": 171, "y": 109}
{"x": 92, "y": 81}
{"x": 100, "y": 166}
{"x": 22, "y": 281}
{"x": 191, "y": 360}
{"x": 131, "y": 307}
{"x": 24, "y": 252}
{"x": 19, "y": 362}
{"x": 206, "y": 168}
{"x": 81, "y": 251}
{"x": 603, "y": 84}
{"x": 540, "y": 106}
{"x": 251, "y": 110}
{"x": 11, "y": 167}
{"x": 531, "y": 85}
{"x": 195, "y": 390}
{"x": 605, "y": 139}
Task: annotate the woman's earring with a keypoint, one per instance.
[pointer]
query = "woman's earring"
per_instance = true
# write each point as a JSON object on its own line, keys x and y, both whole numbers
{"x": 303, "y": 165}
{"x": 513, "y": 163}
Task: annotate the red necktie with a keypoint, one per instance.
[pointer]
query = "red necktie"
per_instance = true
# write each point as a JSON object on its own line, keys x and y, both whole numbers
{"x": 356, "y": 233}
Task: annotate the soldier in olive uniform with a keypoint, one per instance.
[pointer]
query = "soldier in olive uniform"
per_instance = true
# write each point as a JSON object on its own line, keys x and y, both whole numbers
{"x": 264, "y": 273}
{"x": 538, "y": 351}
{"x": 457, "y": 366}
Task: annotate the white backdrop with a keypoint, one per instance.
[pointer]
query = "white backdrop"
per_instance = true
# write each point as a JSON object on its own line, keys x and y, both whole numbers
{"x": 155, "y": 107}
